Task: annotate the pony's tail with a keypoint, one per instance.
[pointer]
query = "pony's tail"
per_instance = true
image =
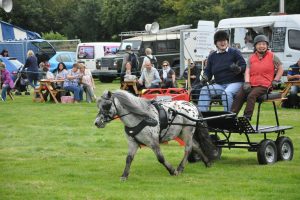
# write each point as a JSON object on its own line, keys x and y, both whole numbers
{"x": 203, "y": 140}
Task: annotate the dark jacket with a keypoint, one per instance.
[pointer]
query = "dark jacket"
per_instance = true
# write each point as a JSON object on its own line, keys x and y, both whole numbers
{"x": 218, "y": 65}
{"x": 31, "y": 64}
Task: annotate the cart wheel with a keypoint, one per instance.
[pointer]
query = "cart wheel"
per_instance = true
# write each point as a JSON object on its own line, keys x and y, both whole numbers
{"x": 285, "y": 148}
{"x": 267, "y": 152}
{"x": 214, "y": 139}
{"x": 18, "y": 93}
{"x": 27, "y": 93}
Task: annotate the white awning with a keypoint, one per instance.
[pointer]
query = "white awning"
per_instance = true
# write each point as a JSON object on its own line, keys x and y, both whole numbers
{"x": 245, "y": 25}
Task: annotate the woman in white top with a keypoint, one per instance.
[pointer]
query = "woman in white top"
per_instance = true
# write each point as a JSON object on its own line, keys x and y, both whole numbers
{"x": 61, "y": 73}
{"x": 88, "y": 84}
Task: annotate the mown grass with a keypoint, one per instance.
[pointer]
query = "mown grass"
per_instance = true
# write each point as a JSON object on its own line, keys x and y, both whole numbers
{"x": 50, "y": 151}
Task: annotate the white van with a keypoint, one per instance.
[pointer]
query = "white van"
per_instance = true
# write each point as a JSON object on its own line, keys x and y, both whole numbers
{"x": 283, "y": 32}
{"x": 90, "y": 53}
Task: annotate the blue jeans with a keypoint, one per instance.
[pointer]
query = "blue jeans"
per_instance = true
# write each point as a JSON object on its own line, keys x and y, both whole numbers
{"x": 4, "y": 91}
{"x": 227, "y": 92}
{"x": 294, "y": 90}
{"x": 77, "y": 90}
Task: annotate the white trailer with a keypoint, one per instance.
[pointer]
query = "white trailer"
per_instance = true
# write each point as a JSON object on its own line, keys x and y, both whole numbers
{"x": 283, "y": 32}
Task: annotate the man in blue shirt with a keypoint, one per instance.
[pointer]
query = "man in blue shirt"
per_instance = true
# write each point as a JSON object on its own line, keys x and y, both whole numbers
{"x": 294, "y": 75}
{"x": 227, "y": 65}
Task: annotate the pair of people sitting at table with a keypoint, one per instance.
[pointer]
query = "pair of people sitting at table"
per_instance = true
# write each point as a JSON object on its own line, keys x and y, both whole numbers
{"x": 151, "y": 78}
{"x": 80, "y": 79}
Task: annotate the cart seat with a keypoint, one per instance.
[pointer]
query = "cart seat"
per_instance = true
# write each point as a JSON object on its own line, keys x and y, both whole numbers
{"x": 274, "y": 96}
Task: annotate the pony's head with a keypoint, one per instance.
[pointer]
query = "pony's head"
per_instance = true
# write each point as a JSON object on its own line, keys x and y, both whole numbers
{"x": 107, "y": 109}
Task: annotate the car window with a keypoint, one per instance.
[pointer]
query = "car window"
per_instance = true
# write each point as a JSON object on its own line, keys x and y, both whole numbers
{"x": 294, "y": 42}
{"x": 172, "y": 45}
{"x": 63, "y": 58}
{"x": 73, "y": 56}
{"x": 162, "y": 46}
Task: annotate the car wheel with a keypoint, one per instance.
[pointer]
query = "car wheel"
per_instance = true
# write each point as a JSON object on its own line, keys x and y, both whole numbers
{"x": 105, "y": 79}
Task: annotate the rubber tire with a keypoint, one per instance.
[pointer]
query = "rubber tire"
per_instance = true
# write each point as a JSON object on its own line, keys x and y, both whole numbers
{"x": 285, "y": 148}
{"x": 27, "y": 93}
{"x": 214, "y": 139}
{"x": 18, "y": 93}
{"x": 105, "y": 79}
{"x": 267, "y": 152}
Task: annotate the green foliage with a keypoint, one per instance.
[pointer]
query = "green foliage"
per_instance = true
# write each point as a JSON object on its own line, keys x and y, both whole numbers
{"x": 101, "y": 20}
{"x": 50, "y": 151}
{"x": 53, "y": 36}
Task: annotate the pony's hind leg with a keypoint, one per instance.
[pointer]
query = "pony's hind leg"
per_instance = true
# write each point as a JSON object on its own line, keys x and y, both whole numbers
{"x": 187, "y": 138}
{"x": 161, "y": 159}
{"x": 132, "y": 149}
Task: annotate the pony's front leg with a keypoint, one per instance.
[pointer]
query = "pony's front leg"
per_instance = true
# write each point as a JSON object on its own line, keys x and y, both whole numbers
{"x": 161, "y": 159}
{"x": 132, "y": 149}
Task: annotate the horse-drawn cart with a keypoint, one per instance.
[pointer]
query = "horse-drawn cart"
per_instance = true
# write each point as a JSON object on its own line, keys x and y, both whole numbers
{"x": 222, "y": 125}
{"x": 267, "y": 150}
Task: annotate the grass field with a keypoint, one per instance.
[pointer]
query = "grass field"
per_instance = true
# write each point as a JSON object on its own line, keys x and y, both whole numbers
{"x": 50, "y": 151}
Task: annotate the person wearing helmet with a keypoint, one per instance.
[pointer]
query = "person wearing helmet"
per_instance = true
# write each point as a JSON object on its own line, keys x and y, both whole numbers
{"x": 264, "y": 70}
{"x": 227, "y": 65}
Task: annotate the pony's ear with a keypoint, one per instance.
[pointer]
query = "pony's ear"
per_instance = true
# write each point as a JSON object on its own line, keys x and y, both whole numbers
{"x": 109, "y": 94}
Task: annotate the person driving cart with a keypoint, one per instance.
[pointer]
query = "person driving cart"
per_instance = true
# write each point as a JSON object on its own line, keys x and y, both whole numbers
{"x": 264, "y": 70}
{"x": 227, "y": 65}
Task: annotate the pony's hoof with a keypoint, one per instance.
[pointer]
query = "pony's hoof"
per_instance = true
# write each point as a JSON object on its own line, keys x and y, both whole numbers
{"x": 123, "y": 178}
{"x": 208, "y": 164}
{"x": 175, "y": 173}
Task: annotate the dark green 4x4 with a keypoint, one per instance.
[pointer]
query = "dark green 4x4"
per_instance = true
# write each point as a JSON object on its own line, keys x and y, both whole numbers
{"x": 165, "y": 46}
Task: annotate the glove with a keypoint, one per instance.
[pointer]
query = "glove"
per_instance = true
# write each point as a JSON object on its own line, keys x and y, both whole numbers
{"x": 247, "y": 87}
{"x": 275, "y": 83}
{"x": 235, "y": 68}
{"x": 204, "y": 80}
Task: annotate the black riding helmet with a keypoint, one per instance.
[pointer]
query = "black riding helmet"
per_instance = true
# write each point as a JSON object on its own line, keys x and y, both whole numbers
{"x": 220, "y": 36}
{"x": 261, "y": 38}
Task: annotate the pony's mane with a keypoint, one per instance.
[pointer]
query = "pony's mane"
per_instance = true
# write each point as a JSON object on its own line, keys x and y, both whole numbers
{"x": 132, "y": 103}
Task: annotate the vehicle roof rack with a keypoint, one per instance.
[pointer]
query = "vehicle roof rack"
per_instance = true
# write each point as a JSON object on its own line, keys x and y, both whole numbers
{"x": 173, "y": 29}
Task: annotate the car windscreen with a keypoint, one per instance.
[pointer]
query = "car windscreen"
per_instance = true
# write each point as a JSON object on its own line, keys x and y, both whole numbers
{"x": 135, "y": 44}
{"x": 45, "y": 47}
{"x": 15, "y": 62}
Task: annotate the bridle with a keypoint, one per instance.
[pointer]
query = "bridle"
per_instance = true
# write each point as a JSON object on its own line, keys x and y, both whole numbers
{"x": 107, "y": 108}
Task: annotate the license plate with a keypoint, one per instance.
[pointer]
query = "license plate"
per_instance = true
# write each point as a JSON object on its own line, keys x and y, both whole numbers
{"x": 104, "y": 68}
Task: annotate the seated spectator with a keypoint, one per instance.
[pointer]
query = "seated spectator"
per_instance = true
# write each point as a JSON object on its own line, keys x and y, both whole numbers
{"x": 4, "y": 53}
{"x": 46, "y": 74}
{"x": 43, "y": 65}
{"x": 60, "y": 73}
{"x": 167, "y": 76}
{"x": 72, "y": 81}
{"x": 259, "y": 76}
{"x": 87, "y": 83}
{"x": 129, "y": 73}
{"x": 150, "y": 77}
{"x": 195, "y": 81}
{"x": 6, "y": 81}
{"x": 194, "y": 75}
{"x": 294, "y": 75}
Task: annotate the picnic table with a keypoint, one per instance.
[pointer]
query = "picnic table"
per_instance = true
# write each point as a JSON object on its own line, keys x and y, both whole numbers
{"x": 46, "y": 84}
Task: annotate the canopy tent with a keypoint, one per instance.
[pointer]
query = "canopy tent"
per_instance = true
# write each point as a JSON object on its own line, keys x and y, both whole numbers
{"x": 11, "y": 32}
